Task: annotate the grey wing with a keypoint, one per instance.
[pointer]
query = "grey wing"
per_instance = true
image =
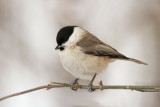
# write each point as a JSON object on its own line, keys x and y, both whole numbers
{"x": 93, "y": 46}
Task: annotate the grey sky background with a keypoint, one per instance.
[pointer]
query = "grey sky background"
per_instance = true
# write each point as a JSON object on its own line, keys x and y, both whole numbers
{"x": 28, "y": 31}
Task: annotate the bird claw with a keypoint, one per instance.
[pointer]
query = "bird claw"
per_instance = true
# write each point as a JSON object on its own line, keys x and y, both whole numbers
{"x": 90, "y": 88}
{"x": 74, "y": 85}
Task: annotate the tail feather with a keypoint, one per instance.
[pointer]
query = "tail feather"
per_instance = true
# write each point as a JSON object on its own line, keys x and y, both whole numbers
{"x": 136, "y": 61}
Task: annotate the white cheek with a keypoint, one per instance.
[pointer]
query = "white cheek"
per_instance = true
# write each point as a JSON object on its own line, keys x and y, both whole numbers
{"x": 75, "y": 37}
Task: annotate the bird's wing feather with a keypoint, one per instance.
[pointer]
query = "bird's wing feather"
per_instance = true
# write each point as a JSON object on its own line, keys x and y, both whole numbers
{"x": 90, "y": 44}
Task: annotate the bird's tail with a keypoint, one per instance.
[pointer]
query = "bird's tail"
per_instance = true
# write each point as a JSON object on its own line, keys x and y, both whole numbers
{"x": 136, "y": 61}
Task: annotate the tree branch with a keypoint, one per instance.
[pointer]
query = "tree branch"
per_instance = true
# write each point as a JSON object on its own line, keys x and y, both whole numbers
{"x": 78, "y": 86}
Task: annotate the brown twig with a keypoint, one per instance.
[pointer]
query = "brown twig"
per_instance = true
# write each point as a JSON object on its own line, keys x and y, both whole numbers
{"x": 78, "y": 86}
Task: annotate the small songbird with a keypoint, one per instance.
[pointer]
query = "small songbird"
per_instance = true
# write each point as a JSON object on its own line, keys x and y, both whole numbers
{"x": 84, "y": 55}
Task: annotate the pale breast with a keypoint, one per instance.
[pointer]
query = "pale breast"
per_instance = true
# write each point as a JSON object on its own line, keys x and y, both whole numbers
{"x": 81, "y": 65}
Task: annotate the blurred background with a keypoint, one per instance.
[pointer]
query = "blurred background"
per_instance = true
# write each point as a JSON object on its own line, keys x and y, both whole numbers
{"x": 28, "y": 31}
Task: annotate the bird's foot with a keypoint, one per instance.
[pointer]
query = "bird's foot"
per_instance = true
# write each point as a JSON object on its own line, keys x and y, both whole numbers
{"x": 74, "y": 84}
{"x": 90, "y": 87}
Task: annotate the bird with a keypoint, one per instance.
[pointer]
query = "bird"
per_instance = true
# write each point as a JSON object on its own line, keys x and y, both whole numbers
{"x": 84, "y": 55}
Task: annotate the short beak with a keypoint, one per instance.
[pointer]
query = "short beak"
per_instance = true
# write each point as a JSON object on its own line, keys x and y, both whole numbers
{"x": 57, "y": 47}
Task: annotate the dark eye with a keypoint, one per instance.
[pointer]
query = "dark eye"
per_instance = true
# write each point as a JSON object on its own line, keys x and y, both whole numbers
{"x": 61, "y": 48}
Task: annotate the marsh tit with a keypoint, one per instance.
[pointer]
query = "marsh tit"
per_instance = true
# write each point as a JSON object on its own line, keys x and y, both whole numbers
{"x": 84, "y": 55}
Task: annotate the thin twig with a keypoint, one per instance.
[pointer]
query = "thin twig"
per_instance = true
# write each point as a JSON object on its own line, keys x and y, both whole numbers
{"x": 78, "y": 86}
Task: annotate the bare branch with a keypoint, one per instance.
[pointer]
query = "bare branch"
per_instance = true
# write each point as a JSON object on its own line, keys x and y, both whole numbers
{"x": 78, "y": 86}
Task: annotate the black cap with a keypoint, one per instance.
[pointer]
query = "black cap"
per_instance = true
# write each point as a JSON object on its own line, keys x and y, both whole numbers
{"x": 64, "y": 34}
